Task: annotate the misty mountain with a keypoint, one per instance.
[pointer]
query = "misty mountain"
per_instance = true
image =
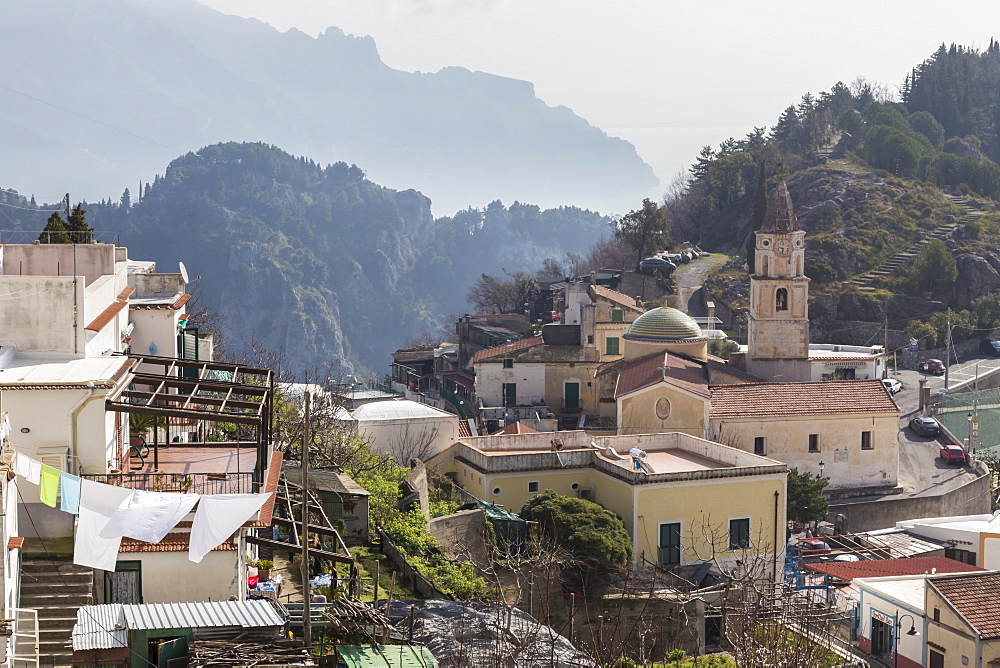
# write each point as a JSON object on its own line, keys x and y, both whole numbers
{"x": 318, "y": 264}
{"x": 162, "y": 77}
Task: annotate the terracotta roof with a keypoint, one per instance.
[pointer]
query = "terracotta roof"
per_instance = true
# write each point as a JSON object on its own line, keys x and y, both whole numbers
{"x": 126, "y": 293}
{"x": 514, "y": 429}
{"x": 271, "y": 486}
{"x": 830, "y": 397}
{"x": 973, "y": 596}
{"x": 662, "y": 367}
{"x": 172, "y": 542}
{"x": 463, "y": 429}
{"x": 506, "y": 349}
{"x": 106, "y": 316}
{"x": 181, "y": 301}
{"x": 616, "y": 297}
{"x": 849, "y": 570}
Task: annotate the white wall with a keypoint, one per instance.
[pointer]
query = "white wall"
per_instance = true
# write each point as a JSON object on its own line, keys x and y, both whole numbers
{"x": 491, "y": 376}
{"x": 912, "y": 647}
{"x": 37, "y": 313}
{"x": 157, "y": 326}
{"x": 169, "y": 577}
{"x": 405, "y": 439}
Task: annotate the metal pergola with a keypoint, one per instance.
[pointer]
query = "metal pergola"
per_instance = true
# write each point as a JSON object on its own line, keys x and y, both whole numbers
{"x": 201, "y": 390}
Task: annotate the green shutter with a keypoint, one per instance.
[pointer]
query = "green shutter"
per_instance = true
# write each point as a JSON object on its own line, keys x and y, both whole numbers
{"x": 612, "y": 345}
{"x": 670, "y": 544}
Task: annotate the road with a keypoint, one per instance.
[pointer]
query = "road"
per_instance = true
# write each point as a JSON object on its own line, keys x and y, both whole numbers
{"x": 921, "y": 471}
{"x": 689, "y": 279}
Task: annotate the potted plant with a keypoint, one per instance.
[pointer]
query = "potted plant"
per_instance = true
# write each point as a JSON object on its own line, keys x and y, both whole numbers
{"x": 264, "y": 567}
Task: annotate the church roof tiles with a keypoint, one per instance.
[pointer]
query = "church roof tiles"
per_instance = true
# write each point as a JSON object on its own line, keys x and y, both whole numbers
{"x": 780, "y": 217}
{"x": 835, "y": 397}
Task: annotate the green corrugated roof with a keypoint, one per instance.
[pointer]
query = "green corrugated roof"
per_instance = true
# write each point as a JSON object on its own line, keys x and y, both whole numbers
{"x": 385, "y": 656}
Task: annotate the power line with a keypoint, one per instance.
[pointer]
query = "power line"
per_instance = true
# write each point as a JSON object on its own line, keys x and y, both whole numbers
{"x": 92, "y": 120}
{"x": 27, "y": 208}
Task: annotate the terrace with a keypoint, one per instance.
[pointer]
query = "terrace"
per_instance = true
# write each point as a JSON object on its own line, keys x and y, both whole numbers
{"x": 196, "y": 426}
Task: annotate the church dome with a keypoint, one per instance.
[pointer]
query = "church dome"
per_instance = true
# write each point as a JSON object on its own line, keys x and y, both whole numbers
{"x": 664, "y": 325}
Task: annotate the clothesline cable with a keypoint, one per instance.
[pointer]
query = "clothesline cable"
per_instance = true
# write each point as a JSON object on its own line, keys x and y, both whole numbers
{"x": 69, "y": 589}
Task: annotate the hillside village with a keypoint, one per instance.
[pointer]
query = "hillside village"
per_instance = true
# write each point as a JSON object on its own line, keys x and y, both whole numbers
{"x": 596, "y": 489}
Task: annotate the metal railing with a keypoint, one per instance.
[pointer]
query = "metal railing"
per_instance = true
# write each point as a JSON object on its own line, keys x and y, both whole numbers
{"x": 194, "y": 483}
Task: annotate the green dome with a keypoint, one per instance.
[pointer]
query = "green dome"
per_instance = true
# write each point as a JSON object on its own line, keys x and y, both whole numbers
{"x": 664, "y": 325}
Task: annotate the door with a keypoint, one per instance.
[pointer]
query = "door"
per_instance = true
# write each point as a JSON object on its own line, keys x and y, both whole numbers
{"x": 510, "y": 394}
{"x": 124, "y": 585}
{"x": 170, "y": 653}
{"x": 936, "y": 660}
{"x": 881, "y": 637}
{"x": 670, "y": 544}
{"x": 571, "y": 395}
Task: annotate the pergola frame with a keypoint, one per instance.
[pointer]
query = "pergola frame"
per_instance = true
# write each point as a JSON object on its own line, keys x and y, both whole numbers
{"x": 246, "y": 399}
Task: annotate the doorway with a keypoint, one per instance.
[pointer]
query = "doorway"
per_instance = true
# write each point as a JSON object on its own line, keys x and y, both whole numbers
{"x": 881, "y": 637}
{"x": 124, "y": 585}
{"x": 571, "y": 396}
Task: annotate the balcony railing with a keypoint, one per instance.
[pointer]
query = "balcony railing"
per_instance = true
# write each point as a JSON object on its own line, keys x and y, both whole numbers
{"x": 194, "y": 483}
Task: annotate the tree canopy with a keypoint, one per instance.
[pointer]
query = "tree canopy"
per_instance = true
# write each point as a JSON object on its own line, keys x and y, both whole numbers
{"x": 645, "y": 230}
{"x": 805, "y": 497}
{"x": 935, "y": 267}
{"x": 594, "y": 535}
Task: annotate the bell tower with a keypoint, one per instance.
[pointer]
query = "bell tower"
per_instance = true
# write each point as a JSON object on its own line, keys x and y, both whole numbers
{"x": 778, "y": 337}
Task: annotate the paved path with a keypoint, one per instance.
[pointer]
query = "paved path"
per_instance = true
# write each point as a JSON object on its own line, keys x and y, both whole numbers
{"x": 689, "y": 279}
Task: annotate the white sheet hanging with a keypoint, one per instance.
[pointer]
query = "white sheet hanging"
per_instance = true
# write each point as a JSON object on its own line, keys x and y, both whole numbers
{"x": 148, "y": 516}
{"x": 28, "y": 468}
{"x": 98, "y": 503}
{"x": 218, "y": 517}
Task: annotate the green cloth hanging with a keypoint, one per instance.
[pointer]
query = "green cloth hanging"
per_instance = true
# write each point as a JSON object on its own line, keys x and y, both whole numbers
{"x": 49, "y": 485}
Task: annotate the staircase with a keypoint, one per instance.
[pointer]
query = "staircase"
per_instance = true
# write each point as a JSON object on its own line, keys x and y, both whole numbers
{"x": 904, "y": 259}
{"x": 56, "y": 588}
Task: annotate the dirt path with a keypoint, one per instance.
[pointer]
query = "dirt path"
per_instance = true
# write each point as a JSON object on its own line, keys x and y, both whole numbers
{"x": 689, "y": 278}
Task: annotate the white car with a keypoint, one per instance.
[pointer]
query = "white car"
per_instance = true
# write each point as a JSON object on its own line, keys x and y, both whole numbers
{"x": 892, "y": 385}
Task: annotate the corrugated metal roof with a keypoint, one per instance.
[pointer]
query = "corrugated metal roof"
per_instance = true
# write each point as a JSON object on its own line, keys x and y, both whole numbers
{"x": 197, "y": 615}
{"x": 100, "y": 627}
{"x": 106, "y": 626}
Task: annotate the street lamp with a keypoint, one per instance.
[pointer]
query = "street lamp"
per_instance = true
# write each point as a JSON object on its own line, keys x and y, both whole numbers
{"x": 822, "y": 465}
{"x": 912, "y": 632}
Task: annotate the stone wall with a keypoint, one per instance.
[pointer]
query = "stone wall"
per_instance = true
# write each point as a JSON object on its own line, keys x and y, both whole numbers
{"x": 973, "y": 498}
{"x": 460, "y": 535}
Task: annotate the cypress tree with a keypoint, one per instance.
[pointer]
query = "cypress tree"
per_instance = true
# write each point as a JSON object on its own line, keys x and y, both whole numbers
{"x": 759, "y": 210}
{"x": 79, "y": 231}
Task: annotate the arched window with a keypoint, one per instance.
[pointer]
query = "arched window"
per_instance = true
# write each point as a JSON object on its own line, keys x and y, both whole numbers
{"x": 781, "y": 299}
{"x": 798, "y": 266}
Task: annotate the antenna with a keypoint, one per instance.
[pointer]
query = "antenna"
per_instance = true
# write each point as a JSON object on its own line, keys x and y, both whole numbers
{"x": 184, "y": 272}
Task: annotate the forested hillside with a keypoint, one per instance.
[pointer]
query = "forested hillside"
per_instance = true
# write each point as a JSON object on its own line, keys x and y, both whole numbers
{"x": 317, "y": 261}
{"x": 868, "y": 171}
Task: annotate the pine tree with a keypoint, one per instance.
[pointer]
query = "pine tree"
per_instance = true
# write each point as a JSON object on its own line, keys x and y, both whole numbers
{"x": 126, "y": 200}
{"x": 55, "y": 231}
{"x": 79, "y": 231}
{"x": 787, "y": 122}
{"x": 700, "y": 168}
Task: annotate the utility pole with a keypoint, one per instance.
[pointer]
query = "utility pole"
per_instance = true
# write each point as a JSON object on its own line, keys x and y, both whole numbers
{"x": 66, "y": 202}
{"x": 885, "y": 345}
{"x": 947, "y": 350}
{"x": 306, "y": 593}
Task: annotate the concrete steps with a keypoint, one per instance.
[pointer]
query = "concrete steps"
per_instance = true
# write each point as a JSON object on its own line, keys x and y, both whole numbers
{"x": 902, "y": 260}
{"x": 56, "y": 588}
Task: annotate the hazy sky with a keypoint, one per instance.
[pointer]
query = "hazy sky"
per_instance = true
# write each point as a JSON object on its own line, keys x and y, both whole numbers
{"x": 667, "y": 76}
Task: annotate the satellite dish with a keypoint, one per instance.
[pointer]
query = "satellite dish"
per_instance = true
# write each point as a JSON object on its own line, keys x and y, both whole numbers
{"x": 184, "y": 272}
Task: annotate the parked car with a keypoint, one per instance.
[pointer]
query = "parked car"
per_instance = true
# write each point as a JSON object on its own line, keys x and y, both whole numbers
{"x": 990, "y": 347}
{"x": 935, "y": 367}
{"x": 549, "y": 316}
{"x": 953, "y": 454}
{"x": 925, "y": 426}
{"x": 808, "y": 547}
{"x": 892, "y": 385}
{"x": 651, "y": 265}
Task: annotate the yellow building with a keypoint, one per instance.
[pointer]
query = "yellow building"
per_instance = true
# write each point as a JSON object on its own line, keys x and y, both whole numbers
{"x": 684, "y": 500}
{"x": 962, "y": 620}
